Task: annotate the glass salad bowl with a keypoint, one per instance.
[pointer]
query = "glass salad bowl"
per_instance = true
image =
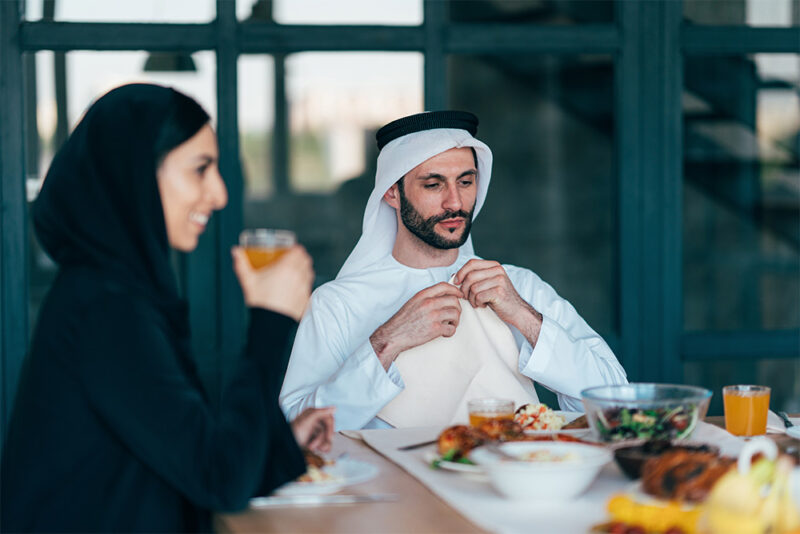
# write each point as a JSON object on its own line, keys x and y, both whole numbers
{"x": 642, "y": 411}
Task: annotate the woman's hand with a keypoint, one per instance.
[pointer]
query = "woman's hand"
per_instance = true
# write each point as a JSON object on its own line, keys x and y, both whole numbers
{"x": 313, "y": 429}
{"x": 284, "y": 286}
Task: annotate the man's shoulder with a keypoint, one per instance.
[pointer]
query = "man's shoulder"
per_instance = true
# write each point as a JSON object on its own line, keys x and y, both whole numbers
{"x": 516, "y": 269}
{"x": 350, "y": 288}
{"x": 510, "y": 268}
{"x": 522, "y": 276}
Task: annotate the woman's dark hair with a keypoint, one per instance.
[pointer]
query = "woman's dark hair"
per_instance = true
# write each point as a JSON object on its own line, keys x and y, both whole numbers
{"x": 184, "y": 119}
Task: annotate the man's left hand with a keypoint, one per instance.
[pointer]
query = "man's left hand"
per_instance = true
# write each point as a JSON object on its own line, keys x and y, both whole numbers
{"x": 485, "y": 283}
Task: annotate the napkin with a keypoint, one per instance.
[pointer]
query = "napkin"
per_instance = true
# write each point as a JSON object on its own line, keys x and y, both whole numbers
{"x": 352, "y": 434}
{"x": 480, "y": 360}
{"x": 775, "y": 423}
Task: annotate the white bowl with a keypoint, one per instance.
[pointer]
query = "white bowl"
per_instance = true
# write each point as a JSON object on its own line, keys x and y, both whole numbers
{"x": 542, "y": 480}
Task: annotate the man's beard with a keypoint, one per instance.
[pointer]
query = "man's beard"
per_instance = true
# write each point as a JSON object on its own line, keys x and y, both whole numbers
{"x": 425, "y": 230}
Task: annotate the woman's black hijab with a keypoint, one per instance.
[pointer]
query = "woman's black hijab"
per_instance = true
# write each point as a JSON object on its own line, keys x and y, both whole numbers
{"x": 100, "y": 206}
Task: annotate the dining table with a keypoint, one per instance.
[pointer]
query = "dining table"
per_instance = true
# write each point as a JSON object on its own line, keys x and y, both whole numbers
{"x": 417, "y": 498}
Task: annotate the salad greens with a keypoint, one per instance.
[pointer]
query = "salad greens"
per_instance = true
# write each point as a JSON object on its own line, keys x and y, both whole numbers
{"x": 617, "y": 424}
{"x": 451, "y": 456}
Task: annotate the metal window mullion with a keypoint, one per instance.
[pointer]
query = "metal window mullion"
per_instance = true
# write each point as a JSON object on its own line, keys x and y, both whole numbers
{"x": 738, "y": 40}
{"x": 230, "y": 312}
{"x": 671, "y": 181}
{"x": 649, "y": 86}
{"x": 280, "y": 130}
{"x": 279, "y": 38}
{"x": 474, "y": 38}
{"x": 65, "y": 36}
{"x": 660, "y": 89}
{"x": 32, "y": 148}
{"x": 435, "y": 63}
{"x": 628, "y": 159}
{"x": 60, "y": 81}
{"x": 13, "y": 216}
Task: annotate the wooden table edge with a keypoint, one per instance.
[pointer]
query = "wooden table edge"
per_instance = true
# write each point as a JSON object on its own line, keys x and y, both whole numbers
{"x": 415, "y": 498}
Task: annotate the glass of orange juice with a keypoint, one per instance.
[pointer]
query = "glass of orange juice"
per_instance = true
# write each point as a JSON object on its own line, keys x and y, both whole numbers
{"x": 481, "y": 410}
{"x": 264, "y": 245}
{"x": 746, "y": 409}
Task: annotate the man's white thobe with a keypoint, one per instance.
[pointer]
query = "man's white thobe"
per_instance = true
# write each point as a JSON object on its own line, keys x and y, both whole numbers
{"x": 333, "y": 362}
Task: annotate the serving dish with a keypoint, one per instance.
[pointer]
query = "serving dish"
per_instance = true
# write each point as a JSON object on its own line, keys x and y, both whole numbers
{"x": 553, "y": 471}
{"x": 631, "y": 456}
{"x": 644, "y": 411}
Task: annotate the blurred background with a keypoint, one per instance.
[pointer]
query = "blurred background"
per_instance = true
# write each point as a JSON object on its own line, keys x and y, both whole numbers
{"x": 646, "y": 152}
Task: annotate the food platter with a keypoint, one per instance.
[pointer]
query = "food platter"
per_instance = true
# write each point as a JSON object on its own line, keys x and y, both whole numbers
{"x": 568, "y": 417}
{"x": 344, "y": 472}
{"x": 432, "y": 458}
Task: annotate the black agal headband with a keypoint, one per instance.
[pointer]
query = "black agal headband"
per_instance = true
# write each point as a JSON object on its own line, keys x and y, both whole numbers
{"x": 430, "y": 120}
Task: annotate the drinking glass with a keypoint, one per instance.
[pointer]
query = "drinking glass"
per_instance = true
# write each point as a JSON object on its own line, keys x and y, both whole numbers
{"x": 481, "y": 410}
{"x": 265, "y": 245}
{"x": 746, "y": 409}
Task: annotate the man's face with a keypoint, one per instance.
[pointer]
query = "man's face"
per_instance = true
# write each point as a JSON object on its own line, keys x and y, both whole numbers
{"x": 437, "y": 198}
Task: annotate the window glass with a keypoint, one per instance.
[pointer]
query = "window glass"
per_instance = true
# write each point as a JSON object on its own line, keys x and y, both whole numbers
{"x": 59, "y": 87}
{"x": 256, "y": 123}
{"x": 121, "y": 10}
{"x": 335, "y": 102}
{"x": 775, "y": 13}
{"x": 741, "y": 213}
{"x": 551, "y": 204}
{"x": 325, "y": 12}
{"x": 741, "y": 227}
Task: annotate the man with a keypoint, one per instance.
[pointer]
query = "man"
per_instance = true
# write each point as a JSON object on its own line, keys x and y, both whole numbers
{"x": 392, "y": 295}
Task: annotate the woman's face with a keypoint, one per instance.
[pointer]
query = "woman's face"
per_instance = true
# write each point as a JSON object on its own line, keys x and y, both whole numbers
{"x": 191, "y": 188}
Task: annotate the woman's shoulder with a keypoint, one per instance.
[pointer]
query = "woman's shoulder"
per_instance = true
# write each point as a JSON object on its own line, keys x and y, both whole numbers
{"x": 81, "y": 311}
{"x": 87, "y": 292}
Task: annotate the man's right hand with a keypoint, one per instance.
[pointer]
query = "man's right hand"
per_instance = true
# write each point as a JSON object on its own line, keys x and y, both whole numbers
{"x": 431, "y": 313}
{"x": 313, "y": 428}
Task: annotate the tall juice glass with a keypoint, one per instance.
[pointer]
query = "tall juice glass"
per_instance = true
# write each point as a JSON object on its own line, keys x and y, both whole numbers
{"x": 746, "y": 409}
{"x": 263, "y": 246}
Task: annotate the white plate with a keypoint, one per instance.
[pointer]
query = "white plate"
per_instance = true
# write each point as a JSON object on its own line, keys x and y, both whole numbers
{"x": 637, "y": 493}
{"x": 430, "y": 456}
{"x": 346, "y": 472}
{"x": 568, "y": 417}
{"x": 794, "y": 431}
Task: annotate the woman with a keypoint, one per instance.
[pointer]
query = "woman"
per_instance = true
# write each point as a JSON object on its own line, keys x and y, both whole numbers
{"x": 111, "y": 429}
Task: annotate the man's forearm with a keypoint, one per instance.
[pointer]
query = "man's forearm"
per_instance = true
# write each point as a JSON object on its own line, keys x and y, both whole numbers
{"x": 384, "y": 350}
{"x": 529, "y": 323}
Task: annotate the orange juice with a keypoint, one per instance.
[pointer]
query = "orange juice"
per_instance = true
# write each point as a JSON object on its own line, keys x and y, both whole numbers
{"x": 264, "y": 245}
{"x": 746, "y": 410}
{"x": 476, "y": 419}
{"x": 261, "y": 257}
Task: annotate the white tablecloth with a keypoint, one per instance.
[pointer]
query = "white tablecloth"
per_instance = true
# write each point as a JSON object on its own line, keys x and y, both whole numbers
{"x": 474, "y": 498}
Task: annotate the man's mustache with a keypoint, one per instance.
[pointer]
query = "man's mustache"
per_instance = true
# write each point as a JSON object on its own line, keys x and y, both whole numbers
{"x": 449, "y": 215}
